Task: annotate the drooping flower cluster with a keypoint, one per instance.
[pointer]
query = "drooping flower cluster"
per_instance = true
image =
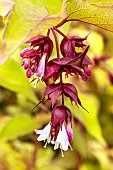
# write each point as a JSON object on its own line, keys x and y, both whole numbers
{"x": 36, "y": 56}
{"x": 37, "y": 63}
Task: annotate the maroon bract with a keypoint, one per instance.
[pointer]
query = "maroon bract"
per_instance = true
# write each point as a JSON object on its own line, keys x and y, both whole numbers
{"x": 78, "y": 66}
{"x": 67, "y": 46}
{"x": 44, "y": 43}
{"x": 58, "y": 117}
{"x": 53, "y": 91}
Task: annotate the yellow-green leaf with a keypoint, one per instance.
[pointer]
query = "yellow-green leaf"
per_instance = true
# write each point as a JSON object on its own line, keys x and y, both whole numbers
{"x": 17, "y": 126}
{"x": 28, "y": 19}
{"x": 13, "y": 78}
{"x": 98, "y": 13}
{"x": 6, "y": 7}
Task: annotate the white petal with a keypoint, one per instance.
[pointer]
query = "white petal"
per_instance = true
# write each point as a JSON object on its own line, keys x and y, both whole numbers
{"x": 44, "y": 133}
{"x": 38, "y": 132}
{"x": 62, "y": 139}
{"x": 41, "y": 66}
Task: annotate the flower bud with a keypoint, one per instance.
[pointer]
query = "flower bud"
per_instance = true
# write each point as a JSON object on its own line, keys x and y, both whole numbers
{"x": 28, "y": 73}
{"x": 34, "y": 68}
{"x": 26, "y": 63}
{"x": 23, "y": 52}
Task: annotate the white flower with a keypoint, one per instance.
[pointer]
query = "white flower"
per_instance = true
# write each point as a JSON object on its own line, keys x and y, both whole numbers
{"x": 44, "y": 133}
{"x": 62, "y": 141}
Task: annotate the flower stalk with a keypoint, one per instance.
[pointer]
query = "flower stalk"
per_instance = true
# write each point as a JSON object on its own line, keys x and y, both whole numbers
{"x": 56, "y": 42}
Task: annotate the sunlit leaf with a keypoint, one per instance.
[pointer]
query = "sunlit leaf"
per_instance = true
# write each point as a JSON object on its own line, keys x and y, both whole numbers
{"x": 98, "y": 13}
{"x": 17, "y": 126}
{"x": 13, "y": 78}
{"x": 6, "y": 7}
{"x": 53, "y": 7}
{"x": 29, "y": 18}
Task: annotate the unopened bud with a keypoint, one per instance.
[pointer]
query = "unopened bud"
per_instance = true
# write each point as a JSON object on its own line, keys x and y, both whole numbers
{"x": 33, "y": 68}
{"x": 28, "y": 73}
{"x": 23, "y": 52}
{"x": 26, "y": 63}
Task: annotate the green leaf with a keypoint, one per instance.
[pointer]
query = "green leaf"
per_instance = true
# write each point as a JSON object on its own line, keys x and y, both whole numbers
{"x": 53, "y": 7}
{"x": 16, "y": 127}
{"x": 28, "y": 19}
{"x": 98, "y": 13}
{"x": 89, "y": 120}
{"x": 79, "y": 142}
{"x": 13, "y": 78}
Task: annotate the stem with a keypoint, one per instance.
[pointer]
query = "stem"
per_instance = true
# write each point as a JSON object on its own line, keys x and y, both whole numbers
{"x": 56, "y": 41}
{"x": 61, "y": 81}
{"x": 33, "y": 158}
{"x": 60, "y": 33}
{"x": 61, "y": 23}
{"x": 48, "y": 32}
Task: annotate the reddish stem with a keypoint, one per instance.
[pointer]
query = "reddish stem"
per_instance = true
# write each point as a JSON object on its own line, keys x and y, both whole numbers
{"x": 56, "y": 41}
{"x": 61, "y": 81}
{"x": 48, "y": 32}
{"x": 61, "y": 23}
{"x": 60, "y": 33}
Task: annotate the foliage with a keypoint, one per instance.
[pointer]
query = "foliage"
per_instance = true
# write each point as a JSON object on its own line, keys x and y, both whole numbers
{"x": 93, "y": 139}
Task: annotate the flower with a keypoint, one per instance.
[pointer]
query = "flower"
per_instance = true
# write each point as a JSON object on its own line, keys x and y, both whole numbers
{"x": 36, "y": 56}
{"x": 68, "y": 45}
{"x": 77, "y": 64}
{"x": 43, "y": 134}
{"x": 55, "y": 132}
{"x": 61, "y": 141}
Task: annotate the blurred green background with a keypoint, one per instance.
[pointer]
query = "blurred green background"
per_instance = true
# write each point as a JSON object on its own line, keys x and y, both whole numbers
{"x": 93, "y": 131}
